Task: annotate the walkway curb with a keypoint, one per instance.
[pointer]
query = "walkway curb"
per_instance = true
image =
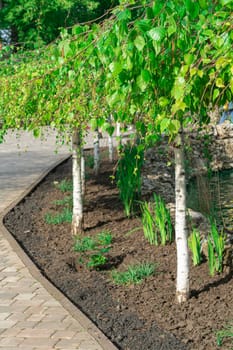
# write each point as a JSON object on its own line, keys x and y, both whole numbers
{"x": 92, "y": 329}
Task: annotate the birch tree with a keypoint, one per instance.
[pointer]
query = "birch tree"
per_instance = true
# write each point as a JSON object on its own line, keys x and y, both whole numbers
{"x": 171, "y": 62}
{"x": 164, "y": 62}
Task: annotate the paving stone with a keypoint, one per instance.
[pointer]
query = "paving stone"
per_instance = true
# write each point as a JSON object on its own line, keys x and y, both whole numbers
{"x": 10, "y": 341}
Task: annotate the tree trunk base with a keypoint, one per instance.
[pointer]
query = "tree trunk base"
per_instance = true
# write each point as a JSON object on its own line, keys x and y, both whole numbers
{"x": 182, "y": 297}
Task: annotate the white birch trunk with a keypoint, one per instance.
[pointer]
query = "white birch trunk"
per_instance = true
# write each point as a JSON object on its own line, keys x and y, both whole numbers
{"x": 83, "y": 174}
{"x": 182, "y": 282}
{"x": 118, "y": 129}
{"x": 77, "y": 220}
{"x": 96, "y": 152}
{"x": 110, "y": 142}
{"x": 110, "y": 148}
{"x": 118, "y": 135}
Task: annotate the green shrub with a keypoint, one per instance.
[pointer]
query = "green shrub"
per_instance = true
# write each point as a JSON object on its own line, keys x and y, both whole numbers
{"x": 128, "y": 176}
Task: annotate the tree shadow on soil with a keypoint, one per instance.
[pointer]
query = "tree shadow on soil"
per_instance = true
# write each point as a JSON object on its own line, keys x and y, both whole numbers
{"x": 195, "y": 293}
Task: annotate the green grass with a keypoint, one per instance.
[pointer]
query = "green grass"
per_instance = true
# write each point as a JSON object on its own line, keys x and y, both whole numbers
{"x": 65, "y": 186}
{"x": 134, "y": 274}
{"x": 66, "y": 201}
{"x": 59, "y": 218}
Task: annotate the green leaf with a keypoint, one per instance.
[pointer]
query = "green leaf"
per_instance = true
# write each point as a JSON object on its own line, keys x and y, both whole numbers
{"x": 144, "y": 25}
{"x": 226, "y": 2}
{"x": 215, "y": 94}
{"x": 231, "y": 85}
{"x": 172, "y": 27}
{"x": 163, "y": 101}
{"x": 219, "y": 83}
{"x": 71, "y": 74}
{"x": 157, "y": 47}
{"x": 115, "y": 68}
{"x": 174, "y": 126}
{"x": 203, "y": 4}
{"x": 164, "y": 124}
{"x": 141, "y": 83}
{"x": 139, "y": 42}
{"x": 124, "y": 15}
{"x": 189, "y": 58}
{"x": 157, "y": 7}
{"x": 157, "y": 34}
{"x": 146, "y": 75}
{"x": 36, "y": 132}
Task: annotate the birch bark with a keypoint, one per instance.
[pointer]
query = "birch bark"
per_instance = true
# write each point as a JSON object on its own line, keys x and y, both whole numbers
{"x": 83, "y": 174}
{"x": 182, "y": 282}
{"x": 96, "y": 152}
{"x": 77, "y": 219}
{"x": 110, "y": 143}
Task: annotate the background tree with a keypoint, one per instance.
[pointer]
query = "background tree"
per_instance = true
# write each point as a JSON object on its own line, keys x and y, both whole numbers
{"x": 36, "y": 22}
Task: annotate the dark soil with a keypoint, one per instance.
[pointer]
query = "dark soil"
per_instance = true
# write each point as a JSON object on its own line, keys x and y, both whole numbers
{"x": 137, "y": 317}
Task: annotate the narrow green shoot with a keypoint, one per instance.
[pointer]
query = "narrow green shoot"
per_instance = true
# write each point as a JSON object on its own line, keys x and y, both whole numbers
{"x": 194, "y": 243}
{"x": 148, "y": 224}
{"x": 156, "y": 222}
{"x": 216, "y": 247}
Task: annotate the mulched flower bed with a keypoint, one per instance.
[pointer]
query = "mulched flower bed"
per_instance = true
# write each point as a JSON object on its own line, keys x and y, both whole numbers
{"x": 136, "y": 317}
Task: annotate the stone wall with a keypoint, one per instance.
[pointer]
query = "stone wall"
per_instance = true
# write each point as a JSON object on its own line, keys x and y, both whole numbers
{"x": 212, "y": 149}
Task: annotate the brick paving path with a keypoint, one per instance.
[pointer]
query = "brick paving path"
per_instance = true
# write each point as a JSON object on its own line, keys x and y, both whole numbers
{"x": 33, "y": 314}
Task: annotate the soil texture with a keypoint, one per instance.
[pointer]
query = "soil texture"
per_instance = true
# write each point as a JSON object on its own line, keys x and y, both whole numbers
{"x": 135, "y": 317}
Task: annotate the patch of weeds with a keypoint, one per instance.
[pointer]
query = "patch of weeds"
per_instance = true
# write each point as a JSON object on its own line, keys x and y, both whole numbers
{"x": 226, "y": 332}
{"x": 66, "y": 201}
{"x": 65, "y": 186}
{"x": 92, "y": 250}
{"x": 59, "y": 218}
{"x": 134, "y": 274}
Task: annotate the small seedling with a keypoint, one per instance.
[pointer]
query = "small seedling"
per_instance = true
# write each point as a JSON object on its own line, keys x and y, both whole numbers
{"x": 134, "y": 274}
{"x": 59, "y": 218}
{"x": 92, "y": 250}
{"x": 226, "y": 332}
